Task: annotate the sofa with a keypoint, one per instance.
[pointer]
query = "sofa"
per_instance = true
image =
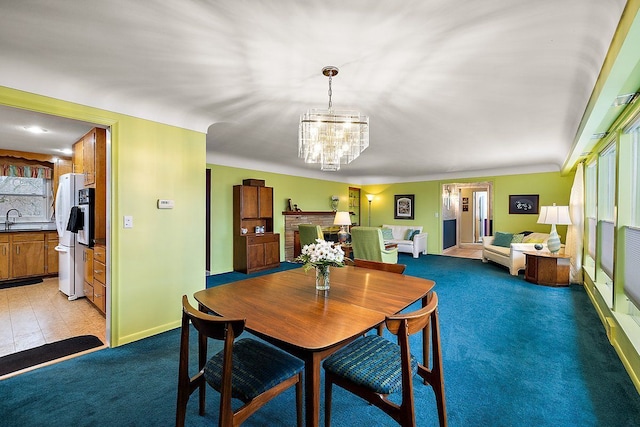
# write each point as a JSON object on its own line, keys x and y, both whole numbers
{"x": 508, "y": 249}
{"x": 414, "y": 245}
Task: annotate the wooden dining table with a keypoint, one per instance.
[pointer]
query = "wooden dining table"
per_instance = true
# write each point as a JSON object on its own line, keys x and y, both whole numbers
{"x": 285, "y": 309}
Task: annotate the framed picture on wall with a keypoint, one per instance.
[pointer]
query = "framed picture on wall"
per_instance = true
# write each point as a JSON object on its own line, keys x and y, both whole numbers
{"x": 403, "y": 206}
{"x": 524, "y": 204}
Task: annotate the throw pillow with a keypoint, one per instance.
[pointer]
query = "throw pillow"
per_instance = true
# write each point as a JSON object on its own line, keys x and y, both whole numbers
{"x": 536, "y": 238}
{"x": 517, "y": 238}
{"x": 408, "y": 234}
{"x": 387, "y": 234}
{"x": 414, "y": 234}
{"x": 503, "y": 239}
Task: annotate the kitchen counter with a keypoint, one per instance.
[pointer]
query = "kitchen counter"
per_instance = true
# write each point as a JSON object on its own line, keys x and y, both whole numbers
{"x": 20, "y": 227}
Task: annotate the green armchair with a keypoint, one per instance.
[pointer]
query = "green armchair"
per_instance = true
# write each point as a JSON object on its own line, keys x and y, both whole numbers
{"x": 309, "y": 233}
{"x": 367, "y": 243}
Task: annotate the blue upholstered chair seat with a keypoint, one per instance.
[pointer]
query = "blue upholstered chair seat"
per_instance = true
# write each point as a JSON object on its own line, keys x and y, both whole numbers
{"x": 372, "y": 362}
{"x": 257, "y": 367}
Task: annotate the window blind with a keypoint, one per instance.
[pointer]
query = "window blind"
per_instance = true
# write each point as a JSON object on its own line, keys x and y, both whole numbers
{"x": 606, "y": 247}
{"x": 631, "y": 264}
{"x": 591, "y": 235}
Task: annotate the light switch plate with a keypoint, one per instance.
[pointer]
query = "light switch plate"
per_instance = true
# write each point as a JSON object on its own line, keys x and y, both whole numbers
{"x": 128, "y": 221}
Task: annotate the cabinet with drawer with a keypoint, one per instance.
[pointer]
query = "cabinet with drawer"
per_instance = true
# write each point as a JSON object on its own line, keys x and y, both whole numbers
{"x": 100, "y": 277}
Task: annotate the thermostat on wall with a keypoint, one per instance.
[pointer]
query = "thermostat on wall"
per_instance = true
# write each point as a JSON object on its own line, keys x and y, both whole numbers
{"x": 165, "y": 204}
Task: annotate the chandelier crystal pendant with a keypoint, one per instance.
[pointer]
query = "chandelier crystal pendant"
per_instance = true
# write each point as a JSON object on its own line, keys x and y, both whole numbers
{"x": 330, "y": 137}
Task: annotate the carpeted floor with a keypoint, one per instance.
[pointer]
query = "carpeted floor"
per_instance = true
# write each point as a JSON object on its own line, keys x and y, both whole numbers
{"x": 515, "y": 354}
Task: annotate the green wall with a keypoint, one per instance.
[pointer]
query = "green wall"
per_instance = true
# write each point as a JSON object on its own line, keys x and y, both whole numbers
{"x": 162, "y": 257}
{"x": 309, "y": 194}
{"x": 314, "y": 195}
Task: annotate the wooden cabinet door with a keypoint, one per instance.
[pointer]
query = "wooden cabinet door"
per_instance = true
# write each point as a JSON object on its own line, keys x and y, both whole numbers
{"x": 52, "y": 254}
{"x": 272, "y": 253}
{"x": 78, "y": 157}
{"x": 4, "y": 260}
{"x": 255, "y": 256}
{"x": 249, "y": 202}
{"x": 27, "y": 255}
{"x": 88, "y": 158}
{"x": 87, "y": 257}
{"x": 266, "y": 202}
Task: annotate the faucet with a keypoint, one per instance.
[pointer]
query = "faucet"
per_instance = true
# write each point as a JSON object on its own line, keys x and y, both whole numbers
{"x": 8, "y": 223}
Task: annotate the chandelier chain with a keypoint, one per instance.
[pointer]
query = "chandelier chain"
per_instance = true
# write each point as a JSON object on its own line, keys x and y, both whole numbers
{"x": 330, "y": 93}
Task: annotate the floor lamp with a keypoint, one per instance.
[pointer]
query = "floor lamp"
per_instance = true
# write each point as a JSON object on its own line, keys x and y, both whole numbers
{"x": 369, "y": 198}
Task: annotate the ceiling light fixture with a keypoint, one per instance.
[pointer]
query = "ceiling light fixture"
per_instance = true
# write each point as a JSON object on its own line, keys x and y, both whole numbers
{"x": 625, "y": 99}
{"x": 330, "y": 137}
{"x": 35, "y": 129}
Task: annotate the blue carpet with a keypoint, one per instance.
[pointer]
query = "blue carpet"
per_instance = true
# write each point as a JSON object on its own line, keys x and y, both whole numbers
{"x": 515, "y": 354}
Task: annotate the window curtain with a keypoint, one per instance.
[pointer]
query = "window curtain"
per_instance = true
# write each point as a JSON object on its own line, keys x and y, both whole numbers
{"x": 26, "y": 171}
{"x": 575, "y": 231}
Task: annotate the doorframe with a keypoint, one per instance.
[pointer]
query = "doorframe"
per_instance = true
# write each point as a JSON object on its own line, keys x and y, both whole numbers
{"x": 451, "y": 191}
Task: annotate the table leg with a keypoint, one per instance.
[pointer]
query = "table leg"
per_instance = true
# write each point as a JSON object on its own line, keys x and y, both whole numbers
{"x": 312, "y": 389}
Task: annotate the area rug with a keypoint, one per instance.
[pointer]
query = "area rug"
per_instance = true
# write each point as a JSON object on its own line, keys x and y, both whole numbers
{"x": 45, "y": 353}
{"x": 22, "y": 282}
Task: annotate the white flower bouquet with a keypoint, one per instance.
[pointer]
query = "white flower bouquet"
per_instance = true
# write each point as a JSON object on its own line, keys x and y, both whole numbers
{"x": 321, "y": 254}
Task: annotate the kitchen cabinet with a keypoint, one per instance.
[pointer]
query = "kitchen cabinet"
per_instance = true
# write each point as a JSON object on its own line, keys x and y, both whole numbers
{"x": 60, "y": 167}
{"x": 255, "y": 246}
{"x": 51, "y": 241}
{"x": 93, "y": 151}
{"x": 77, "y": 157}
{"x": 27, "y": 254}
{"x": 87, "y": 259}
{"x": 99, "y": 277}
{"x": 4, "y": 257}
{"x": 95, "y": 275}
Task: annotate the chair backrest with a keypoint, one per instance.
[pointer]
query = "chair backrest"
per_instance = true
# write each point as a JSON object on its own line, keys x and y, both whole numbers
{"x": 403, "y": 325}
{"x": 309, "y": 233}
{"x": 376, "y": 265}
{"x": 367, "y": 243}
{"x": 209, "y": 326}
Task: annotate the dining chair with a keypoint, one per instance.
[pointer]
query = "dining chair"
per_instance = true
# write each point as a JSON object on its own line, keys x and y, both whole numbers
{"x": 247, "y": 369}
{"x": 373, "y": 367}
{"x": 383, "y": 266}
{"x": 309, "y": 233}
{"x": 367, "y": 243}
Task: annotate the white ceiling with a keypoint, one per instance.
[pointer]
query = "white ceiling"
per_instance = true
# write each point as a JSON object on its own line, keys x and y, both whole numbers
{"x": 453, "y": 88}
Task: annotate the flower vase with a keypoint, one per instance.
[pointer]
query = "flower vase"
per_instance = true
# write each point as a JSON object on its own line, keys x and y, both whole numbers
{"x": 322, "y": 278}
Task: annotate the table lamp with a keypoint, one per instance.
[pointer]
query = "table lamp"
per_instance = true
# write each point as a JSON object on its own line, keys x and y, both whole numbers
{"x": 554, "y": 215}
{"x": 342, "y": 219}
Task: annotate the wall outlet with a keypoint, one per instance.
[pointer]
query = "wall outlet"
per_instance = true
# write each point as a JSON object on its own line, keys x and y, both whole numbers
{"x": 128, "y": 221}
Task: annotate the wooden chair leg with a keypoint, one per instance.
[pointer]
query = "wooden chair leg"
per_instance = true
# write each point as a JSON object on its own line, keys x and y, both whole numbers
{"x": 327, "y": 401}
{"x": 299, "y": 401}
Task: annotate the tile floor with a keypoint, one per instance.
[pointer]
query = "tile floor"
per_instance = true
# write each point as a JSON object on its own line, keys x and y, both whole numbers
{"x": 464, "y": 252}
{"x": 38, "y": 314}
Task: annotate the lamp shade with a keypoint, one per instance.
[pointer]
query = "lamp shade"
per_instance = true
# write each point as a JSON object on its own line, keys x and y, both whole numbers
{"x": 558, "y": 215}
{"x": 342, "y": 218}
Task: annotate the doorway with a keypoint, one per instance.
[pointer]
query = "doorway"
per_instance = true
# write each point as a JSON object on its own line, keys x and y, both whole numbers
{"x": 466, "y": 215}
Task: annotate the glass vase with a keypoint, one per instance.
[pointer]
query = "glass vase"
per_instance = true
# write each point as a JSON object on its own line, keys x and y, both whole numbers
{"x": 322, "y": 278}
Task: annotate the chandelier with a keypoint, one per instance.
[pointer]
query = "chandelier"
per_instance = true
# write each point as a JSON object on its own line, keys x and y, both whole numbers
{"x": 330, "y": 137}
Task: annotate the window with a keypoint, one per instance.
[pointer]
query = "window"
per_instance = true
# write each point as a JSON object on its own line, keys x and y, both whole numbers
{"x": 30, "y": 196}
{"x": 591, "y": 213}
{"x": 605, "y": 241}
{"x": 631, "y": 253}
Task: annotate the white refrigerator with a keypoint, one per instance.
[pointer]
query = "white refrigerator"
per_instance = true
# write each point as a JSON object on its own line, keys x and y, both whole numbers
{"x": 71, "y": 264}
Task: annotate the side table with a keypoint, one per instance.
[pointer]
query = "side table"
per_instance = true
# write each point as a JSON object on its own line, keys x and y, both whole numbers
{"x": 544, "y": 268}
